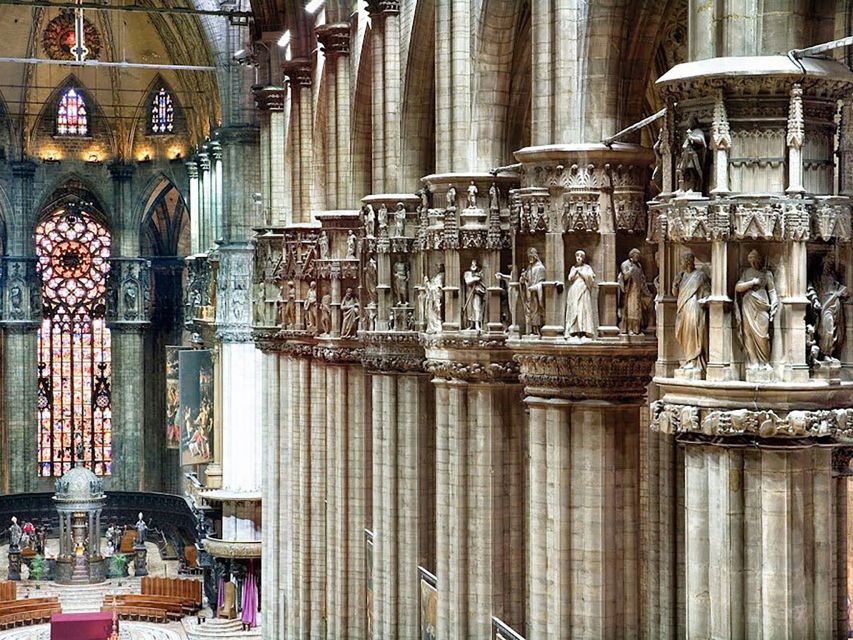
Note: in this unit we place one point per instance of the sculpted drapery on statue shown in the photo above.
(692, 286)
(636, 297)
(434, 288)
(691, 173)
(755, 310)
(370, 280)
(532, 281)
(475, 297)
(580, 319)
(311, 307)
(349, 314)
(827, 296)
(401, 282)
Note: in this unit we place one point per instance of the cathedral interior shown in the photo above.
(435, 319)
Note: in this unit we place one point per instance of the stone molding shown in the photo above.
(392, 352)
(338, 354)
(232, 548)
(492, 372)
(688, 419)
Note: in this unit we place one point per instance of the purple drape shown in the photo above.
(250, 598)
(220, 596)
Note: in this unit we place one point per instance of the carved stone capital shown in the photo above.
(392, 352)
(298, 72)
(268, 340)
(269, 98)
(344, 353)
(493, 372)
(334, 38)
(23, 168)
(841, 458)
(379, 7)
(594, 371)
(121, 171)
(297, 349)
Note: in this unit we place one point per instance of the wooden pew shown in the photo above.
(145, 614)
(188, 590)
(171, 606)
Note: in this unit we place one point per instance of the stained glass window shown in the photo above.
(74, 402)
(162, 112)
(72, 117)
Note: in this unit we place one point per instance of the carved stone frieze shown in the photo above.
(832, 219)
(339, 354)
(391, 351)
(297, 349)
(234, 280)
(676, 418)
(505, 371)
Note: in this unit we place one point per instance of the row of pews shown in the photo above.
(161, 600)
(29, 611)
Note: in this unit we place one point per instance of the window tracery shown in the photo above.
(72, 116)
(162, 113)
(74, 400)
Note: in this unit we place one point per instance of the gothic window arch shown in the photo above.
(72, 115)
(162, 121)
(74, 400)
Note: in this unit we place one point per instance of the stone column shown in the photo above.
(403, 480)
(479, 454)
(216, 201)
(298, 73)
(239, 168)
(205, 212)
(270, 102)
(194, 207)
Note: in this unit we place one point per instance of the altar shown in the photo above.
(81, 626)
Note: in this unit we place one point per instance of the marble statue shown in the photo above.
(827, 296)
(352, 244)
(692, 286)
(369, 220)
(323, 245)
(424, 196)
(311, 307)
(435, 290)
(141, 531)
(512, 285)
(15, 534)
(401, 281)
(472, 195)
(691, 164)
(580, 317)
(370, 280)
(400, 220)
(532, 282)
(636, 297)
(288, 309)
(325, 314)
(383, 219)
(349, 314)
(494, 204)
(450, 198)
(476, 296)
(755, 309)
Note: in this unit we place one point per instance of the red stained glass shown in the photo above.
(74, 403)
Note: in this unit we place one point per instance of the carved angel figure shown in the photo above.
(827, 296)
(692, 286)
(755, 309)
(580, 319)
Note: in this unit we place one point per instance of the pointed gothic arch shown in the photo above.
(165, 225)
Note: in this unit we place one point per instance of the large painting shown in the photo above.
(429, 604)
(173, 398)
(195, 377)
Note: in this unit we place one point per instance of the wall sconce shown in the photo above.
(145, 156)
(93, 158)
(50, 156)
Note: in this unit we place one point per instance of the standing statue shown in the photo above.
(323, 245)
(383, 219)
(349, 314)
(369, 220)
(494, 204)
(532, 282)
(288, 309)
(692, 286)
(755, 309)
(400, 220)
(401, 282)
(424, 196)
(435, 291)
(325, 314)
(311, 307)
(636, 297)
(580, 318)
(512, 285)
(352, 243)
(141, 531)
(472, 195)
(15, 534)
(691, 175)
(450, 198)
(827, 296)
(476, 297)
(370, 280)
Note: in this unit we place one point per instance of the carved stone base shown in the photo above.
(689, 374)
(97, 570)
(14, 565)
(829, 370)
(760, 375)
(473, 219)
(140, 561)
(64, 570)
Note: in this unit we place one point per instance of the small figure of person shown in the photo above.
(580, 318)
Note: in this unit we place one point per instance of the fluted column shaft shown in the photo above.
(302, 126)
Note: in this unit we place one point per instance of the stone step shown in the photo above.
(219, 628)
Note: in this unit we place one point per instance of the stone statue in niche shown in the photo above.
(472, 195)
(352, 244)
(755, 308)
(131, 300)
(636, 298)
(423, 194)
(311, 307)
(512, 286)
(383, 220)
(323, 245)
(370, 280)
(288, 309)
(325, 314)
(691, 174)
(401, 282)
(692, 287)
(16, 299)
(580, 317)
(827, 296)
(369, 220)
(657, 172)
(434, 291)
(349, 314)
(476, 296)
(450, 198)
(533, 284)
(494, 204)
(400, 220)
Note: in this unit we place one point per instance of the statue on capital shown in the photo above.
(401, 282)
(580, 316)
(476, 297)
(692, 287)
(755, 309)
(827, 296)
(533, 285)
(691, 165)
(636, 297)
(434, 288)
(349, 314)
